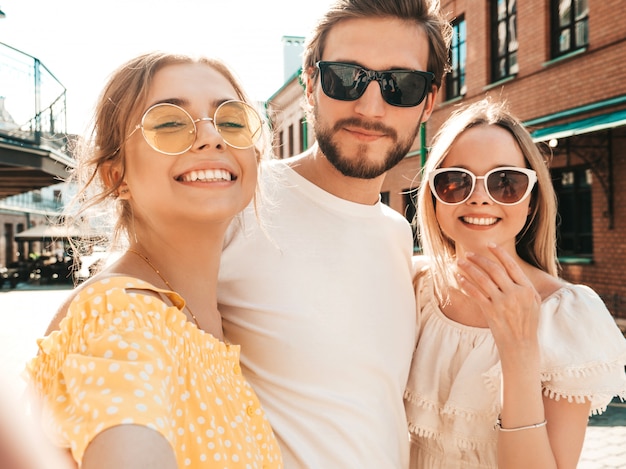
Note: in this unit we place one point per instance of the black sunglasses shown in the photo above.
(348, 82)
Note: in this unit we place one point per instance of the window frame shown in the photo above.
(557, 29)
(579, 197)
(409, 210)
(455, 79)
(508, 57)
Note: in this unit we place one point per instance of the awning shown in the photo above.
(584, 126)
(54, 233)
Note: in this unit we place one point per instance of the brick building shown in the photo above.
(561, 66)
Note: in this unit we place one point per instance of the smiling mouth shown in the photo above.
(480, 220)
(207, 175)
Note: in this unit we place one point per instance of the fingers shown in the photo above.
(507, 298)
(498, 280)
(502, 270)
(471, 289)
(476, 277)
(512, 268)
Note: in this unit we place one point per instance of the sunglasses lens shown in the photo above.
(238, 124)
(452, 187)
(168, 129)
(347, 82)
(507, 186)
(403, 88)
(343, 81)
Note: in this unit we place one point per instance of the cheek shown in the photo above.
(521, 216)
(250, 174)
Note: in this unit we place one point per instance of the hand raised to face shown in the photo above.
(505, 295)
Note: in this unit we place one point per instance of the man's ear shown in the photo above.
(309, 87)
(429, 105)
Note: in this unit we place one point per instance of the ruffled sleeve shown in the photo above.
(85, 369)
(583, 350)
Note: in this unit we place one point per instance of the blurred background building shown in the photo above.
(34, 155)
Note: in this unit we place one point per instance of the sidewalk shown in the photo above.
(605, 440)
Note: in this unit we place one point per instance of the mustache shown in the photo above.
(366, 125)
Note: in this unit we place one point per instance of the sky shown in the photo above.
(82, 41)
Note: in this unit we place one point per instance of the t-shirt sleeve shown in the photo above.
(109, 364)
(583, 350)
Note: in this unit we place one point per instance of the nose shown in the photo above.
(371, 103)
(479, 196)
(207, 135)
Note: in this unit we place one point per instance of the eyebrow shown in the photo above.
(182, 102)
(461, 166)
(387, 69)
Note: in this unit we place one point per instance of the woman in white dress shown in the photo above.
(510, 359)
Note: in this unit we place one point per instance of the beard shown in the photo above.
(361, 166)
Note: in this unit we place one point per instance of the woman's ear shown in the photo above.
(112, 178)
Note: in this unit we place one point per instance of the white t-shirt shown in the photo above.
(317, 291)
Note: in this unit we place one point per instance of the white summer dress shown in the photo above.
(453, 392)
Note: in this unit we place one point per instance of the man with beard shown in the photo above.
(315, 280)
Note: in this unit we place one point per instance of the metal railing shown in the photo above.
(33, 106)
(47, 201)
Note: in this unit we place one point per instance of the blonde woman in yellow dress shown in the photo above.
(135, 371)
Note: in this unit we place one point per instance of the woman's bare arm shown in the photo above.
(129, 447)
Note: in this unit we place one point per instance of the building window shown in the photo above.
(292, 143)
(575, 227)
(570, 26)
(504, 39)
(303, 135)
(281, 144)
(410, 210)
(455, 80)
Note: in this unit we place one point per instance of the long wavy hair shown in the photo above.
(536, 242)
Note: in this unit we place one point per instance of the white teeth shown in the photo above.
(479, 221)
(207, 175)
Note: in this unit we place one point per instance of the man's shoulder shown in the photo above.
(393, 214)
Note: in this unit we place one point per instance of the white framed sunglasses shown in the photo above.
(506, 185)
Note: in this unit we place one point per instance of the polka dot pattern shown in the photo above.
(123, 357)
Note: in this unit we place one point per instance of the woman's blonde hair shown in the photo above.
(117, 112)
(536, 243)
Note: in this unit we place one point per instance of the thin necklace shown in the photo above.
(164, 281)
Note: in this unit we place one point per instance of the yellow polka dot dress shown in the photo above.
(123, 356)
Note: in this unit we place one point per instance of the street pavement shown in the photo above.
(605, 440)
(26, 312)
